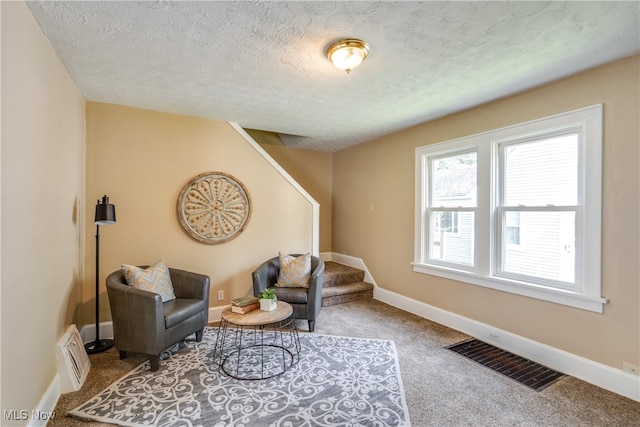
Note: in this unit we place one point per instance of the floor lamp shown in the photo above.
(105, 215)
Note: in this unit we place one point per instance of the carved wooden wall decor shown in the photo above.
(213, 208)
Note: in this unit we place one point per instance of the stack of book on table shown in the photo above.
(244, 305)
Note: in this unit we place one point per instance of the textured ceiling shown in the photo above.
(263, 64)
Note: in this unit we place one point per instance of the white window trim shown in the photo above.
(588, 274)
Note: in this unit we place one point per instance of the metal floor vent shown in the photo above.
(73, 361)
(524, 371)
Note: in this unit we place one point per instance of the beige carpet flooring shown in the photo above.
(441, 387)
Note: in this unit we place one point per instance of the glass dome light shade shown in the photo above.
(348, 54)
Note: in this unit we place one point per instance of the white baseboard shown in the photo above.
(215, 313)
(44, 412)
(88, 332)
(604, 376)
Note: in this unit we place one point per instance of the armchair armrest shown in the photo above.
(137, 315)
(265, 275)
(315, 284)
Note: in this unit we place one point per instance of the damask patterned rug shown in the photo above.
(337, 381)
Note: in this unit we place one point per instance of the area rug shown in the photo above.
(338, 381)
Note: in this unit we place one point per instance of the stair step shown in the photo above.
(336, 274)
(346, 293)
(344, 284)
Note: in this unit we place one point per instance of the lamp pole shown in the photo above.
(105, 214)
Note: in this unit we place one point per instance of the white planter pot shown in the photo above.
(268, 304)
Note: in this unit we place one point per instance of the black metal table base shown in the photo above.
(256, 352)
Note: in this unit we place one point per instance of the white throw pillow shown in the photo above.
(154, 278)
(294, 272)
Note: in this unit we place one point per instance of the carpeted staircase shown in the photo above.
(344, 284)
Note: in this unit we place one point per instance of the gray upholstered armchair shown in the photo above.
(142, 323)
(306, 302)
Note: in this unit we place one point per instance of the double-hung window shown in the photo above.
(516, 209)
(452, 208)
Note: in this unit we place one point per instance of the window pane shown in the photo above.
(542, 173)
(546, 246)
(512, 227)
(513, 235)
(454, 180)
(446, 221)
(451, 237)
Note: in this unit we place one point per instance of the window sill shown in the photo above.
(568, 298)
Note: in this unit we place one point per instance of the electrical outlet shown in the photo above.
(220, 295)
(632, 369)
(494, 337)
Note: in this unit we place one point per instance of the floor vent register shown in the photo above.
(524, 371)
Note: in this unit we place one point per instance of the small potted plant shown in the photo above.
(268, 300)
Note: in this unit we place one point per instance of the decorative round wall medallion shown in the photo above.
(214, 207)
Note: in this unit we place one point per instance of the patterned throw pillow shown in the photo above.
(154, 278)
(294, 272)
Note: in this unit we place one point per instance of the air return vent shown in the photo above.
(73, 362)
(518, 368)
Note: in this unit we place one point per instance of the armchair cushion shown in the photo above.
(154, 279)
(178, 310)
(294, 271)
(292, 295)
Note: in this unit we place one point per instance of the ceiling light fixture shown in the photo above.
(348, 54)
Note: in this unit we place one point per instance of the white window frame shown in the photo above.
(586, 294)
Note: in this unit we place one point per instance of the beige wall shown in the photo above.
(42, 215)
(142, 159)
(312, 170)
(382, 172)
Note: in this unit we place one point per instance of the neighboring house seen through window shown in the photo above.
(516, 209)
(512, 228)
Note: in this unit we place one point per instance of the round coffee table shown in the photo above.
(257, 345)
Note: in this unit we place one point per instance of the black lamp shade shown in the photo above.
(105, 212)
